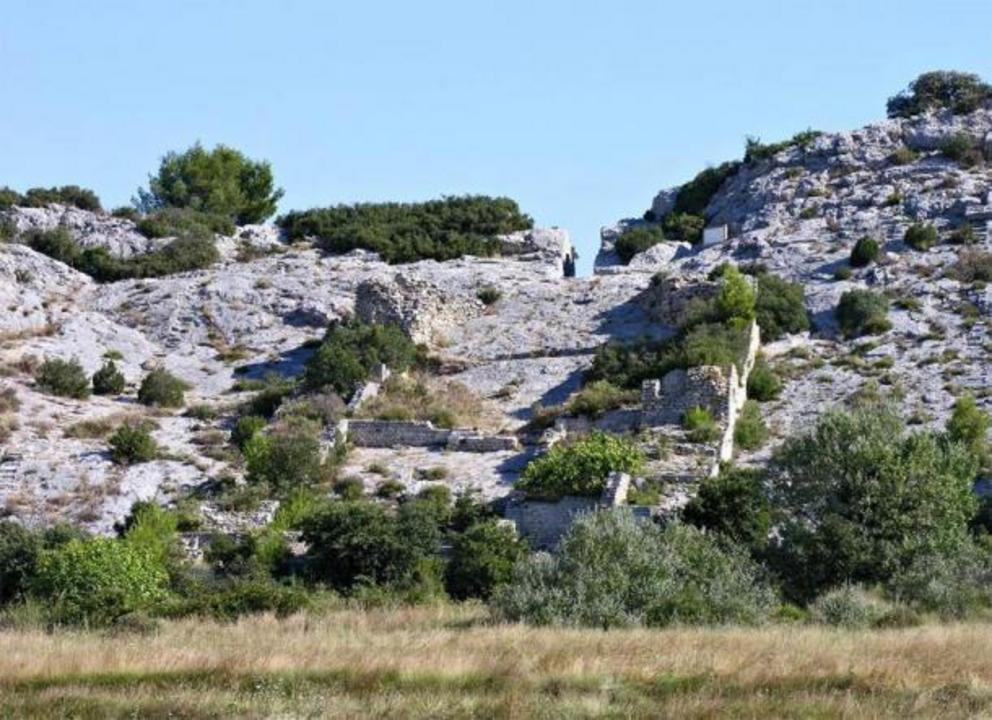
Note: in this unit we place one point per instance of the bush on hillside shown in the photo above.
(65, 378)
(482, 558)
(865, 252)
(700, 425)
(132, 444)
(245, 428)
(599, 397)
(734, 504)
(221, 181)
(959, 92)
(579, 467)
(735, 299)
(96, 581)
(285, 459)
(849, 606)
(962, 149)
(72, 195)
(763, 384)
(755, 150)
(862, 498)
(683, 227)
(614, 570)
(406, 232)
(184, 222)
(636, 240)
(108, 380)
(19, 549)
(969, 425)
(695, 195)
(863, 312)
(162, 389)
(750, 432)
(351, 350)
(780, 307)
(972, 265)
(920, 236)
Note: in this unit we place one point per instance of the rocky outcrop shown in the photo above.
(118, 235)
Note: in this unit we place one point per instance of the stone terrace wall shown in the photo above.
(399, 433)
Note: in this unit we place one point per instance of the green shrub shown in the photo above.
(780, 307)
(963, 235)
(489, 295)
(184, 222)
(108, 380)
(903, 156)
(272, 390)
(969, 426)
(358, 542)
(126, 212)
(132, 444)
(162, 389)
(865, 252)
(734, 504)
(221, 181)
(956, 91)
(972, 265)
(242, 595)
(73, 195)
(19, 549)
(756, 150)
(579, 467)
(245, 428)
(763, 384)
(636, 240)
(152, 529)
(406, 232)
(285, 459)
(56, 243)
(735, 299)
(863, 312)
(849, 606)
(351, 350)
(861, 498)
(96, 581)
(65, 378)
(684, 227)
(843, 272)
(701, 426)
(599, 397)
(953, 584)
(695, 195)
(613, 570)
(920, 237)
(962, 149)
(750, 432)
(482, 558)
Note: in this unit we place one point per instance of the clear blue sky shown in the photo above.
(580, 110)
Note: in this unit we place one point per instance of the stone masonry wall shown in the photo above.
(400, 433)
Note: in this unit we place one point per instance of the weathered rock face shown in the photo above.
(89, 229)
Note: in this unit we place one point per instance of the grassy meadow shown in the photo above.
(452, 662)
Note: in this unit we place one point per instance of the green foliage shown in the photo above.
(862, 498)
(684, 227)
(19, 549)
(843, 272)
(65, 378)
(73, 195)
(599, 397)
(272, 390)
(973, 265)
(637, 240)
(579, 467)
(865, 252)
(285, 459)
(482, 558)
(351, 350)
(221, 181)
(613, 570)
(750, 432)
(763, 384)
(184, 222)
(734, 504)
(184, 253)
(152, 529)
(849, 606)
(132, 444)
(489, 295)
(780, 307)
(695, 195)
(964, 234)
(959, 92)
(162, 389)
(96, 581)
(357, 542)
(701, 426)
(756, 150)
(863, 312)
(962, 149)
(969, 426)
(735, 300)
(920, 236)
(406, 232)
(951, 584)
(234, 597)
(245, 428)
(903, 156)
(108, 380)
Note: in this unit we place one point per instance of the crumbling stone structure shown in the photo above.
(401, 433)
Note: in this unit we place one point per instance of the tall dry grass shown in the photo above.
(451, 662)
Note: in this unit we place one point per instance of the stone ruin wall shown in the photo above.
(401, 433)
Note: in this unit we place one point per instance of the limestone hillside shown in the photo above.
(262, 308)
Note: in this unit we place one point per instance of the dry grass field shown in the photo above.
(451, 662)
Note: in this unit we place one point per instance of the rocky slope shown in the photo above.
(798, 213)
